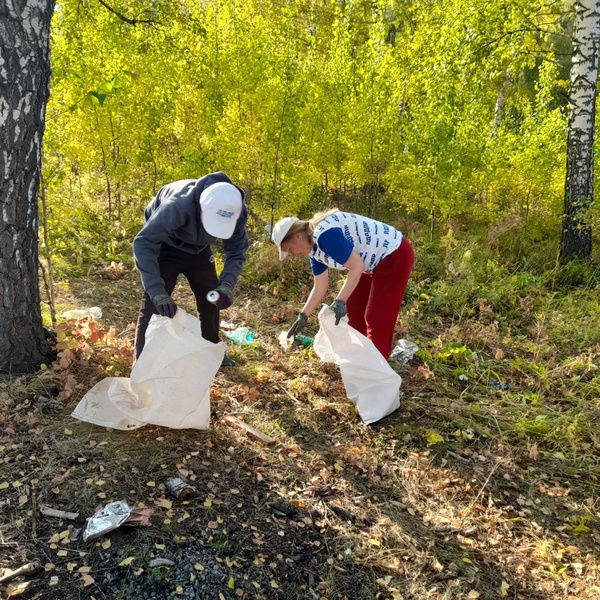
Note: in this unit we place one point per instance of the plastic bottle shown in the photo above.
(304, 340)
(241, 336)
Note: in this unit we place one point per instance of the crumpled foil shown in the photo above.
(403, 351)
(106, 519)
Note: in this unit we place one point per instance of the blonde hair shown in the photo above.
(308, 226)
(318, 217)
(294, 229)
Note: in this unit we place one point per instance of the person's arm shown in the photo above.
(146, 245)
(320, 285)
(355, 266)
(235, 249)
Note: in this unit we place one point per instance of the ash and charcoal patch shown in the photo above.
(182, 570)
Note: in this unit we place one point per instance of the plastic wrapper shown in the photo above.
(403, 351)
(82, 313)
(114, 515)
(106, 519)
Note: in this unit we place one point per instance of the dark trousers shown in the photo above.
(199, 270)
(374, 304)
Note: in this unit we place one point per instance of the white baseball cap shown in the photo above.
(221, 205)
(280, 230)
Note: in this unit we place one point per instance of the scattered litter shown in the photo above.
(403, 351)
(463, 377)
(180, 489)
(241, 336)
(257, 434)
(283, 508)
(114, 515)
(59, 514)
(284, 340)
(304, 340)
(82, 313)
(227, 325)
(497, 384)
(27, 569)
(160, 562)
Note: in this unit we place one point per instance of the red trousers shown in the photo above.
(374, 305)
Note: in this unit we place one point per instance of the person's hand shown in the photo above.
(339, 308)
(165, 305)
(225, 292)
(298, 325)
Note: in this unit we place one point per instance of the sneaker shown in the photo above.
(227, 362)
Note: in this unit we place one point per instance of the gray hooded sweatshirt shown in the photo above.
(173, 218)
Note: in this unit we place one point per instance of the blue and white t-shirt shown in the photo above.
(336, 236)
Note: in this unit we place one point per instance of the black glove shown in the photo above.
(165, 305)
(225, 292)
(298, 325)
(339, 308)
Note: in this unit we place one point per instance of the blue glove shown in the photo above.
(339, 308)
(225, 292)
(298, 325)
(165, 305)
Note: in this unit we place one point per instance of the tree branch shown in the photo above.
(133, 22)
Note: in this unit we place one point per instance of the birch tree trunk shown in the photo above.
(24, 81)
(576, 234)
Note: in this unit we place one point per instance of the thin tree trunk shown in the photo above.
(24, 80)
(576, 235)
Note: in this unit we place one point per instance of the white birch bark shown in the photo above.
(576, 235)
(24, 80)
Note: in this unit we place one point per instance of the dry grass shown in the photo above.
(465, 492)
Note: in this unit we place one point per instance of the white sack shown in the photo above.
(371, 384)
(169, 383)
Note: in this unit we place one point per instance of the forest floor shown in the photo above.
(483, 486)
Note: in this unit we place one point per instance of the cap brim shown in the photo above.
(217, 229)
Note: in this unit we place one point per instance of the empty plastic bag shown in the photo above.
(371, 384)
(169, 383)
(241, 336)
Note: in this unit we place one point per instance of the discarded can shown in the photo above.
(180, 489)
(304, 340)
(213, 296)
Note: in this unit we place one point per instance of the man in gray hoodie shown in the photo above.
(180, 224)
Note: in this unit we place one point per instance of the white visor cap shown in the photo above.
(280, 230)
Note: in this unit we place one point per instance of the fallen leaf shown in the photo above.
(16, 590)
